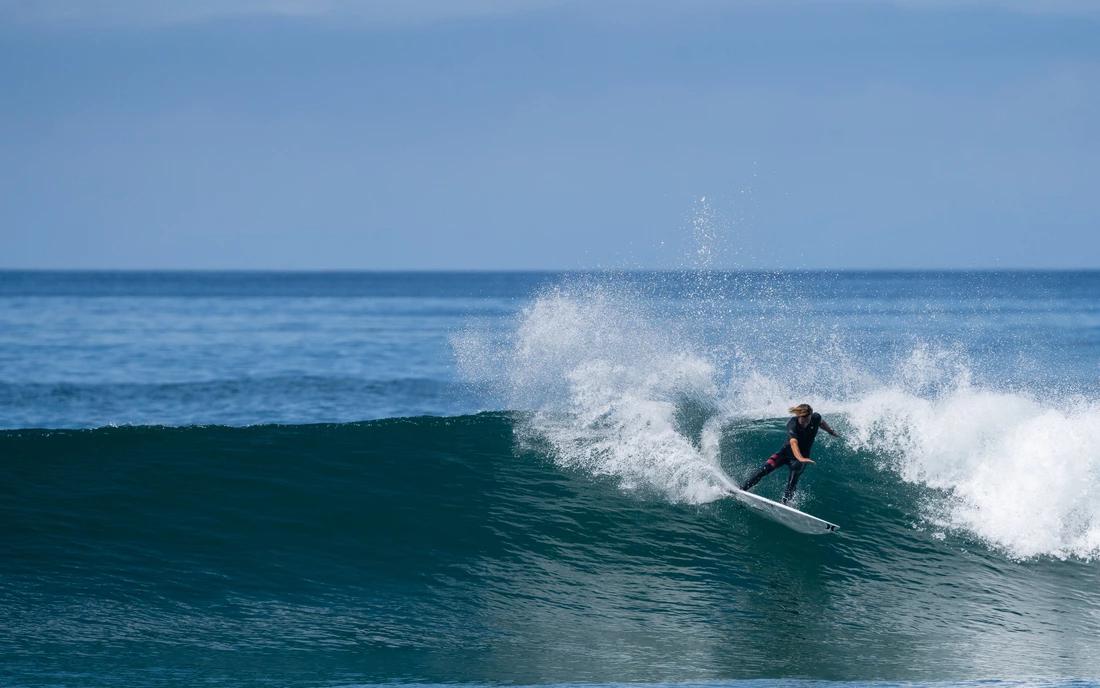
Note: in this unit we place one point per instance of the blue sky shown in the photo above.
(497, 134)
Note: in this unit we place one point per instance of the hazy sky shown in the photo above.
(489, 134)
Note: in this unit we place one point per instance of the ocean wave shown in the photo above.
(614, 388)
(454, 549)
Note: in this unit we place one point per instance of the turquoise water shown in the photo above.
(484, 479)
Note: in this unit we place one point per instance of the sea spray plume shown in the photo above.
(706, 233)
(608, 363)
(777, 340)
(731, 228)
(601, 386)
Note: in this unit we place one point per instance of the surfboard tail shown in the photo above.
(781, 513)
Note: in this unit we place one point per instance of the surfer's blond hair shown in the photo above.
(801, 410)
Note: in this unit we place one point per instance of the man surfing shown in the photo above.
(801, 432)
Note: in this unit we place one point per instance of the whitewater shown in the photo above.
(614, 380)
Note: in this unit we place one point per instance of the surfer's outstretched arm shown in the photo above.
(798, 452)
(829, 430)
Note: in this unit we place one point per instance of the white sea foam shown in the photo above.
(1018, 473)
(602, 379)
(1014, 469)
(602, 384)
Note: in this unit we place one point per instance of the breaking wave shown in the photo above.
(651, 391)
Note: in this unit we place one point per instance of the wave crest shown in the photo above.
(1012, 470)
(614, 386)
(604, 386)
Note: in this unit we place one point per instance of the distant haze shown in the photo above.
(498, 134)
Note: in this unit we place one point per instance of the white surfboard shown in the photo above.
(781, 513)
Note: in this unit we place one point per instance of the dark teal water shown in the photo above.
(574, 535)
(433, 549)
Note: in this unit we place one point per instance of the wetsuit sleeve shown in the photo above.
(792, 429)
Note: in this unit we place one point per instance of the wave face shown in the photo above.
(479, 548)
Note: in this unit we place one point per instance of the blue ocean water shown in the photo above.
(486, 478)
(93, 349)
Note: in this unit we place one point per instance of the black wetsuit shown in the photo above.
(805, 436)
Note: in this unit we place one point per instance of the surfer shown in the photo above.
(801, 431)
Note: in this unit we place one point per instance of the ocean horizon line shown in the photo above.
(538, 271)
